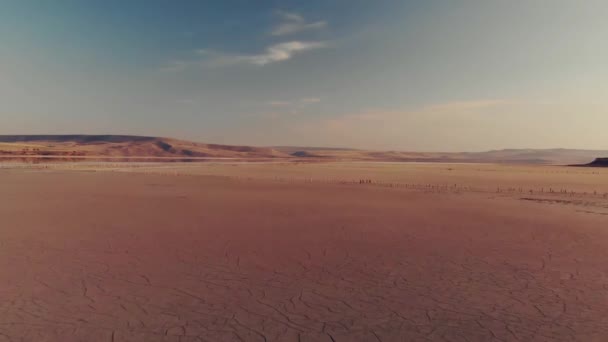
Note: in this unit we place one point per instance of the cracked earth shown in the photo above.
(101, 256)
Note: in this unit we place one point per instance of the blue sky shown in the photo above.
(404, 75)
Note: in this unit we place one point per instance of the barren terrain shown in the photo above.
(86, 147)
(117, 146)
(302, 252)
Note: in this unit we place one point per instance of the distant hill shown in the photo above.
(124, 146)
(540, 156)
(145, 146)
(306, 154)
(75, 138)
(507, 156)
(292, 149)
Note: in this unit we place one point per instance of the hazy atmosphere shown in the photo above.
(404, 75)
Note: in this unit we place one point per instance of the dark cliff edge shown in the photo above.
(598, 162)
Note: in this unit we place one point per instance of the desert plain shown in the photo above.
(302, 251)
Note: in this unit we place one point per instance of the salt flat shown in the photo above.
(303, 252)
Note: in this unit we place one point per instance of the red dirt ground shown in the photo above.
(101, 256)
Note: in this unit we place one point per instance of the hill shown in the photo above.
(507, 156)
(124, 146)
(599, 162)
(145, 146)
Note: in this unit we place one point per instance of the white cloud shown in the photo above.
(272, 54)
(294, 23)
(277, 53)
(290, 16)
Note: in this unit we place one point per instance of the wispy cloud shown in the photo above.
(294, 23)
(279, 52)
(445, 109)
(288, 108)
(455, 122)
(457, 110)
(272, 54)
(276, 53)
